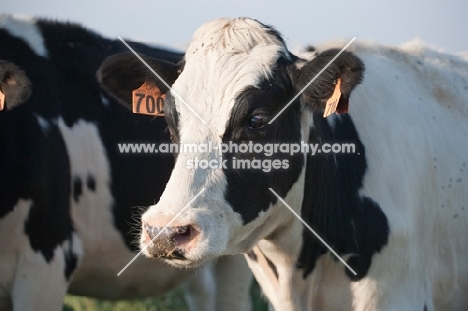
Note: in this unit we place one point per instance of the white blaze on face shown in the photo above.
(225, 57)
(26, 29)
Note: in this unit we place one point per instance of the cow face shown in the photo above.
(237, 75)
(15, 86)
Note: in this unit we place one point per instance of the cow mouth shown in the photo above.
(155, 251)
(176, 254)
(177, 259)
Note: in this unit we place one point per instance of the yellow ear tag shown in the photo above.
(2, 100)
(332, 102)
(147, 99)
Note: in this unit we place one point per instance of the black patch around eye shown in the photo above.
(247, 187)
(263, 100)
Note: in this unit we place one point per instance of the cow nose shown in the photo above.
(168, 242)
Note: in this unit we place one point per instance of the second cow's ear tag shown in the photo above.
(147, 99)
(332, 102)
(2, 100)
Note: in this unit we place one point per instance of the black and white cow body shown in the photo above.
(68, 199)
(395, 210)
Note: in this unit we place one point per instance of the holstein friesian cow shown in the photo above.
(395, 209)
(68, 198)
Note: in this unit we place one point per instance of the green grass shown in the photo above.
(173, 301)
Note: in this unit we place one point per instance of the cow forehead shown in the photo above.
(224, 58)
(233, 35)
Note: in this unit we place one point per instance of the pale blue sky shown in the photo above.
(442, 24)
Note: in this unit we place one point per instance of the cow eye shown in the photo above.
(257, 122)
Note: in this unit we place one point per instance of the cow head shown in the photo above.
(237, 75)
(15, 86)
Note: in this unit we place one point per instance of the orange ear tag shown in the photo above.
(332, 102)
(147, 99)
(2, 100)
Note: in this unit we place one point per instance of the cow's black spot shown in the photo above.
(77, 188)
(350, 223)
(91, 183)
(71, 263)
(49, 221)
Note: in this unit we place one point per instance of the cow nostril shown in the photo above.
(184, 235)
(179, 236)
(183, 230)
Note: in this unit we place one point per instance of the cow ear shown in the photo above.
(331, 90)
(15, 86)
(121, 74)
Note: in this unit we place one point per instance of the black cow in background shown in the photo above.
(68, 198)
